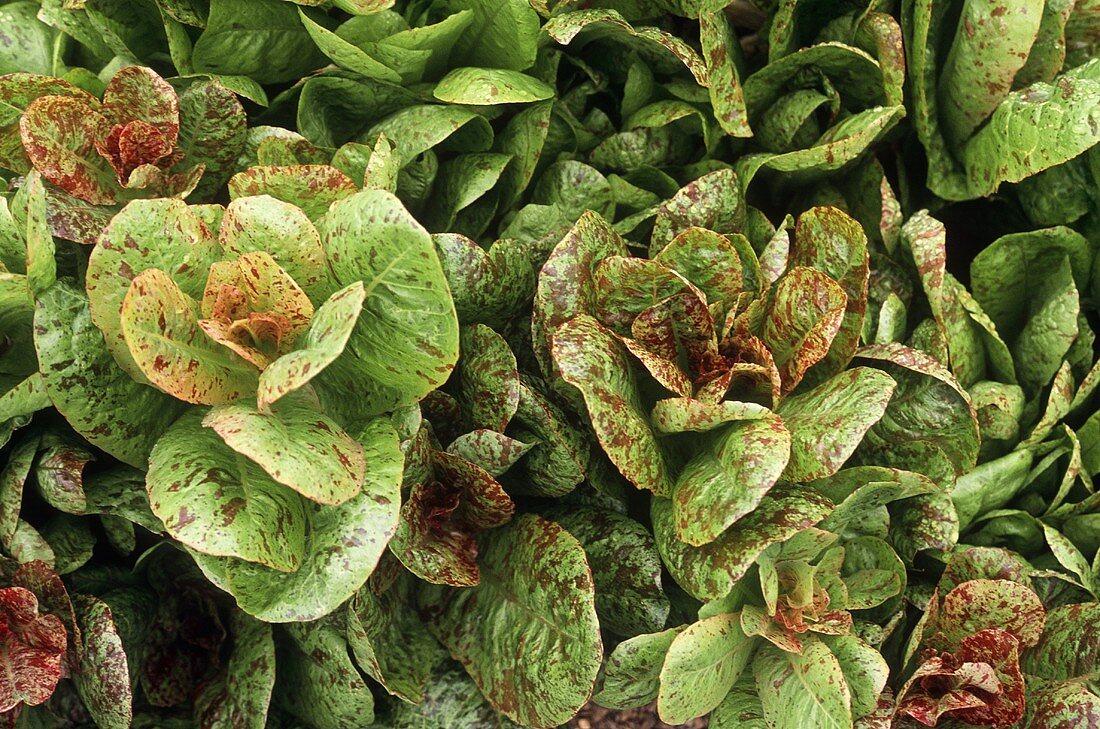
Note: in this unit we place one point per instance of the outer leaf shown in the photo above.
(218, 503)
(343, 545)
(323, 687)
(406, 342)
(238, 698)
(490, 86)
(102, 678)
(528, 635)
(296, 445)
(828, 423)
(979, 604)
(632, 676)
(703, 663)
(796, 690)
(88, 388)
(211, 133)
(60, 136)
(1070, 644)
(313, 188)
(626, 569)
(727, 480)
(595, 362)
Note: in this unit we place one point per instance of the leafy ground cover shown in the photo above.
(474, 363)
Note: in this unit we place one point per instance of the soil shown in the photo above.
(597, 717)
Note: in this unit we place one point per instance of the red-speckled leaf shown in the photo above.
(713, 202)
(138, 93)
(296, 445)
(406, 342)
(728, 478)
(161, 327)
(388, 639)
(343, 544)
(632, 674)
(212, 130)
(53, 599)
(170, 235)
(317, 681)
(102, 678)
(60, 135)
(984, 686)
(802, 690)
(979, 604)
(710, 572)
(18, 90)
(13, 479)
(439, 523)
(565, 28)
(682, 414)
(239, 696)
(31, 649)
(219, 503)
(313, 188)
(59, 473)
(566, 285)
(1070, 645)
(721, 52)
(626, 568)
(703, 663)
(488, 378)
(625, 287)
(807, 308)
(930, 417)
(528, 634)
(596, 363)
(832, 242)
(1062, 706)
(711, 262)
(99, 400)
(493, 451)
(489, 285)
(282, 230)
(322, 343)
(828, 422)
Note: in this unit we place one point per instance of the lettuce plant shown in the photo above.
(420, 363)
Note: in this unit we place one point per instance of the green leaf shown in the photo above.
(805, 315)
(490, 86)
(217, 502)
(703, 663)
(324, 341)
(488, 286)
(535, 581)
(263, 40)
(406, 342)
(741, 709)
(88, 388)
(596, 363)
(388, 639)
(1062, 110)
(239, 696)
(929, 418)
(501, 34)
(346, 54)
(317, 681)
(27, 42)
(980, 604)
(1068, 648)
(726, 480)
(212, 133)
(626, 568)
(102, 676)
(722, 54)
(800, 690)
(417, 129)
(828, 422)
(865, 671)
(296, 445)
(169, 235)
(160, 324)
(632, 675)
(712, 202)
(343, 544)
(711, 571)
